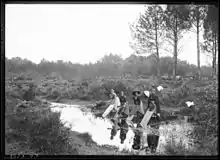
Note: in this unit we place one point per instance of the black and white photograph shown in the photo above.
(111, 79)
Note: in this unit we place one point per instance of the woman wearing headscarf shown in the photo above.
(115, 101)
(154, 122)
(137, 119)
(124, 107)
(137, 101)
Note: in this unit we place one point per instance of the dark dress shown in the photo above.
(154, 98)
(123, 100)
(123, 109)
(137, 100)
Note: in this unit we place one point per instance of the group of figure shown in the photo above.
(143, 102)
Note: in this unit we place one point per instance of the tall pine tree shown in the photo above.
(177, 21)
(211, 25)
(197, 16)
(147, 33)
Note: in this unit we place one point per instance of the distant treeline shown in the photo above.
(109, 66)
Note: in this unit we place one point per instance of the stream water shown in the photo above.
(82, 122)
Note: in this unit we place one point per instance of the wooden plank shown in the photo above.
(108, 110)
(129, 122)
(146, 118)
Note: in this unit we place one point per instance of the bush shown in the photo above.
(30, 93)
(206, 130)
(206, 148)
(55, 93)
(86, 137)
(40, 129)
(174, 148)
(188, 90)
(97, 91)
(86, 97)
(51, 136)
(72, 92)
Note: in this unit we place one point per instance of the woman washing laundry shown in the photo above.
(124, 107)
(121, 113)
(154, 122)
(113, 111)
(137, 101)
(154, 107)
(139, 114)
(114, 104)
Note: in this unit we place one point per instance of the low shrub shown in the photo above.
(174, 148)
(55, 93)
(86, 137)
(40, 129)
(86, 97)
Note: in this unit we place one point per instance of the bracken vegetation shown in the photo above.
(31, 125)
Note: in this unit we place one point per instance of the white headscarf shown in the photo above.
(189, 104)
(159, 88)
(147, 93)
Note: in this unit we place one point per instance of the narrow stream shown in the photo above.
(98, 128)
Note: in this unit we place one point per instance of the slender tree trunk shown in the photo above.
(215, 46)
(213, 58)
(216, 53)
(174, 59)
(157, 52)
(198, 50)
(175, 64)
(175, 51)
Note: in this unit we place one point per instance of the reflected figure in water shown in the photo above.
(113, 132)
(119, 121)
(123, 126)
(114, 126)
(137, 133)
(153, 139)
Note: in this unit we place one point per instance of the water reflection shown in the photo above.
(101, 129)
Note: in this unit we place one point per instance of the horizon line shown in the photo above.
(123, 58)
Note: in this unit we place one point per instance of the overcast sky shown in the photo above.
(76, 32)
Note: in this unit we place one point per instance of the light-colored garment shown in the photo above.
(147, 93)
(142, 108)
(114, 95)
(117, 103)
